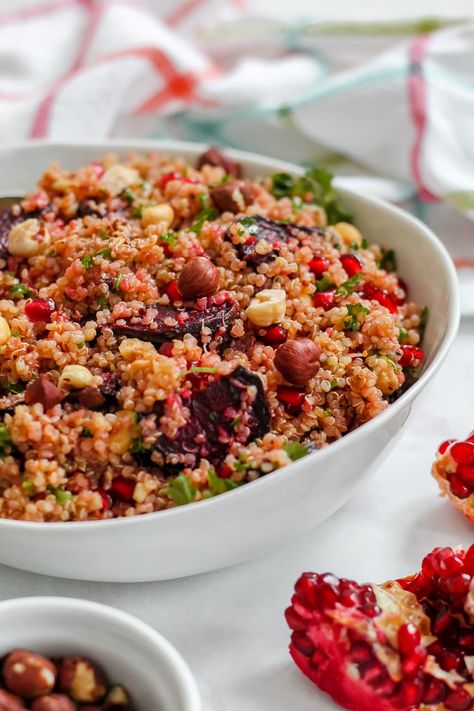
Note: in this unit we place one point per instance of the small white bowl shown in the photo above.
(264, 514)
(131, 652)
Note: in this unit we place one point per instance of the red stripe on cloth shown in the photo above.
(179, 86)
(183, 11)
(464, 263)
(31, 13)
(417, 103)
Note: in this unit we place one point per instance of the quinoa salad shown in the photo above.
(169, 332)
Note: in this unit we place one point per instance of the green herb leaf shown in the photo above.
(28, 487)
(296, 450)
(247, 221)
(169, 237)
(87, 261)
(324, 283)
(218, 485)
(402, 334)
(208, 212)
(117, 282)
(81, 344)
(86, 432)
(5, 438)
(389, 261)
(106, 252)
(201, 370)
(241, 465)
(354, 311)
(129, 194)
(181, 490)
(317, 182)
(102, 234)
(137, 211)
(20, 291)
(137, 446)
(12, 387)
(334, 383)
(347, 288)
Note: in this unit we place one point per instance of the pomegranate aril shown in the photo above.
(408, 638)
(274, 335)
(106, 500)
(444, 445)
(361, 653)
(458, 700)
(327, 596)
(412, 663)
(351, 264)
(122, 488)
(291, 398)
(325, 299)
(383, 297)
(449, 660)
(441, 623)
(174, 175)
(38, 310)
(306, 587)
(434, 692)
(463, 452)
(295, 622)
(458, 584)
(318, 266)
(466, 472)
(225, 471)
(172, 292)
(166, 349)
(469, 560)
(458, 487)
(466, 640)
(411, 692)
(302, 643)
(410, 355)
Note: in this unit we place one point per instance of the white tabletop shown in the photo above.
(229, 625)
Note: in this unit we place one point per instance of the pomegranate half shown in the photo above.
(453, 469)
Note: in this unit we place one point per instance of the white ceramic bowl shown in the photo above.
(266, 513)
(131, 652)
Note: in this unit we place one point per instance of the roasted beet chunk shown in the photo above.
(233, 409)
(275, 233)
(213, 156)
(217, 315)
(91, 207)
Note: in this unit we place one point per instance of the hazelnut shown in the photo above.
(43, 391)
(233, 196)
(28, 675)
(117, 178)
(117, 700)
(5, 332)
(53, 702)
(298, 361)
(8, 702)
(213, 156)
(198, 278)
(158, 215)
(267, 307)
(28, 238)
(83, 680)
(76, 376)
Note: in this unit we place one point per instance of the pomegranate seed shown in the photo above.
(441, 623)
(351, 264)
(38, 310)
(381, 296)
(302, 643)
(413, 661)
(361, 652)
(463, 452)
(291, 398)
(318, 266)
(469, 560)
(458, 584)
(458, 700)
(410, 354)
(408, 638)
(225, 471)
(166, 349)
(466, 472)
(122, 488)
(411, 692)
(449, 660)
(173, 175)
(466, 640)
(470, 438)
(444, 445)
(434, 692)
(325, 299)
(172, 291)
(294, 620)
(306, 588)
(458, 488)
(106, 500)
(274, 336)
(327, 596)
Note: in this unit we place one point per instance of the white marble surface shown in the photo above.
(229, 624)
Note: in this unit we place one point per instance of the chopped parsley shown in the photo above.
(241, 465)
(317, 182)
(129, 195)
(389, 261)
(402, 334)
(181, 490)
(62, 496)
(200, 370)
(355, 246)
(81, 344)
(324, 283)
(117, 282)
(218, 485)
(334, 383)
(86, 432)
(5, 438)
(20, 291)
(212, 416)
(137, 211)
(28, 487)
(169, 237)
(347, 288)
(86, 261)
(247, 221)
(296, 450)
(208, 212)
(354, 311)
(102, 234)
(137, 446)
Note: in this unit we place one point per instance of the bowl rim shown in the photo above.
(188, 148)
(115, 617)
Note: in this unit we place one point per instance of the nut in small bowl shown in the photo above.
(62, 654)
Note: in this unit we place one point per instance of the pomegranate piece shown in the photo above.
(351, 264)
(453, 469)
(291, 398)
(173, 175)
(40, 310)
(273, 335)
(383, 297)
(217, 315)
(317, 266)
(411, 356)
(325, 299)
(231, 410)
(121, 488)
(274, 233)
(172, 291)
(379, 647)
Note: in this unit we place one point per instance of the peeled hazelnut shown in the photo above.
(43, 391)
(53, 702)
(298, 361)
(213, 156)
(118, 177)
(28, 675)
(76, 376)
(268, 306)
(117, 700)
(28, 238)
(199, 278)
(82, 679)
(8, 702)
(233, 196)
